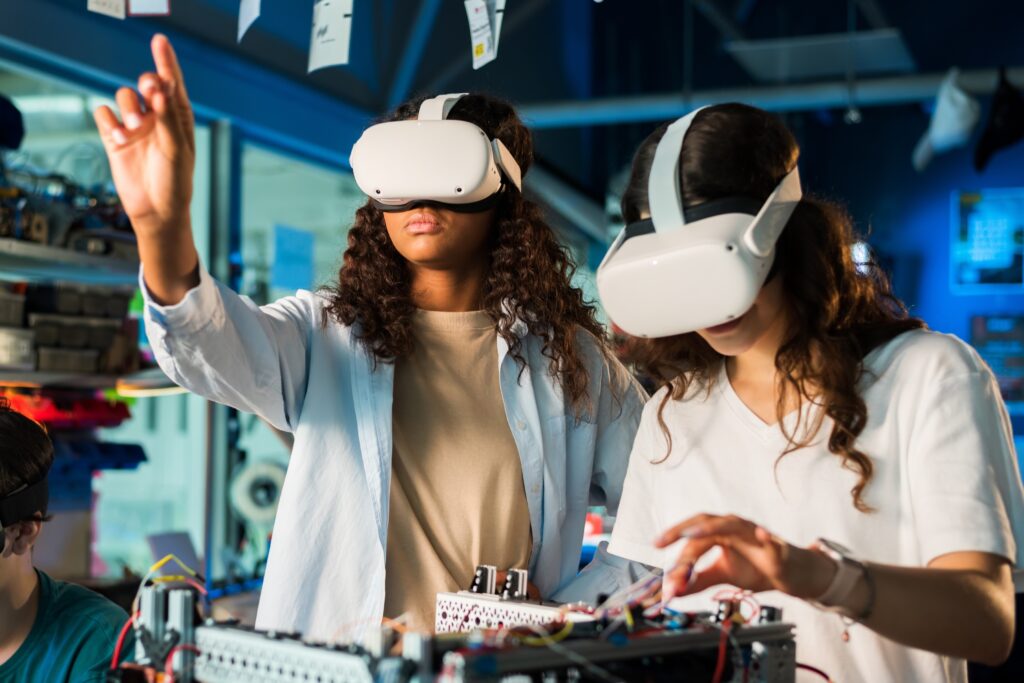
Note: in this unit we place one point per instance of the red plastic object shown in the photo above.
(594, 525)
(72, 413)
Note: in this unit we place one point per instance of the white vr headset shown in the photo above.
(434, 160)
(690, 268)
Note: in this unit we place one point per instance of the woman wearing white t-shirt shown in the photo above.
(823, 450)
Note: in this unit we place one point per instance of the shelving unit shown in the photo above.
(149, 382)
(23, 261)
(55, 380)
(30, 262)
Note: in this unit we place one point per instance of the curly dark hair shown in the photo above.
(838, 311)
(529, 275)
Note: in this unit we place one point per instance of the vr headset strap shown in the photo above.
(22, 505)
(663, 186)
(438, 108)
(764, 231)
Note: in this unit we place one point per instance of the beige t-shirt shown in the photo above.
(457, 493)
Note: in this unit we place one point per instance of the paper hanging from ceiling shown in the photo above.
(149, 8)
(332, 30)
(248, 13)
(496, 10)
(485, 19)
(112, 8)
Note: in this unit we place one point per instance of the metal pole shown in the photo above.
(801, 97)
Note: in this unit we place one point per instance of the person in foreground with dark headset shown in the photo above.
(50, 631)
(811, 443)
(452, 399)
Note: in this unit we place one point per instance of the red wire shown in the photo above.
(168, 667)
(723, 647)
(814, 670)
(120, 642)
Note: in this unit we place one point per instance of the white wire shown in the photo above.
(623, 596)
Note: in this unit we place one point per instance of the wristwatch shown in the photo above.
(848, 572)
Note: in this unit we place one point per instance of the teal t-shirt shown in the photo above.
(72, 639)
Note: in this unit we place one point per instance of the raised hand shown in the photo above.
(152, 147)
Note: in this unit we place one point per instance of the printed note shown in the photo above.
(248, 13)
(485, 18)
(149, 8)
(332, 29)
(112, 8)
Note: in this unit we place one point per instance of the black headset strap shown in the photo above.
(718, 207)
(692, 214)
(25, 504)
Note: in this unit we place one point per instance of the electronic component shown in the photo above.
(465, 611)
(552, 643)
(230, 654)
(485, 579)
(756, 654)
(678, 649)
(516, 585)
(164, 632)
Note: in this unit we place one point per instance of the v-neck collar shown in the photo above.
(764, 430)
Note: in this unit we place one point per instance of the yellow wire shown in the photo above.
(155, 568)
(168, 579)
(553, 638)
(174, 558)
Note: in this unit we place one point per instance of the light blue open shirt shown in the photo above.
(326, 565)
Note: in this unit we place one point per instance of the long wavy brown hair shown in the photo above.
(529, 276)
(838, 312)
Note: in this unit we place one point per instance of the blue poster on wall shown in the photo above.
(293, 259)
(987, 250)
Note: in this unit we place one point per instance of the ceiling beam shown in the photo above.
(872, 13)
(413, 54)
(719, 19)
(583, 213)
(812, 96)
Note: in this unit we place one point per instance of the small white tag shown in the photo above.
(248, 13)
(332, 30)
(112, 8)
(149, 8)
(481, 36)
(496, 9)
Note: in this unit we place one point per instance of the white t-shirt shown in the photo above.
(946, 479)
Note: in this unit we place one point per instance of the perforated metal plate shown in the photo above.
(231, 655)
(465, 611)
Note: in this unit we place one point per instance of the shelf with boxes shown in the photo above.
(68, 270)
(62, 335)
(52, 229)
(23, 261)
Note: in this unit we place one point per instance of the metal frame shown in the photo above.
(402, 81)
(811, 96)
(222, 422)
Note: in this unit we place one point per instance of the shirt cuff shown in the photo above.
(196, 310)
